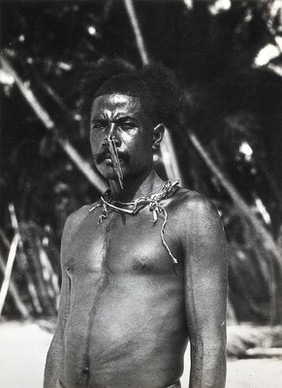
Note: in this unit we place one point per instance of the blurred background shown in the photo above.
(228, 145)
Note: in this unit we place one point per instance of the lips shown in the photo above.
(100, 157)
(106, 156)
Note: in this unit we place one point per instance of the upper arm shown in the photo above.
(71, 226)
(65, 287)
(64, 303)
(55, 350)
(51, 373)
(205, 273)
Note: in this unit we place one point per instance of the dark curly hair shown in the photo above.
(155, 85)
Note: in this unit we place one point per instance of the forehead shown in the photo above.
(113, 104)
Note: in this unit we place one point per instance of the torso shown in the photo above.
(126, 324)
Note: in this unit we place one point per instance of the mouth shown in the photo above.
(100, 158)
(108, 158)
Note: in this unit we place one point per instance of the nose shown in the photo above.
(113, 134)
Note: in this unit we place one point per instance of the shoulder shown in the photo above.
(189, 202)
(200, 228)
(71, 227)
(75, 219)
(195, 216)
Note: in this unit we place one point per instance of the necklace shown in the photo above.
(133, 207)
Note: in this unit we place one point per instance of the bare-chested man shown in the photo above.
(144, 269)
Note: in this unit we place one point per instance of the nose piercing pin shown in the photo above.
(115, 160)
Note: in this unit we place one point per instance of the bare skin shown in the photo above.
(126, 311)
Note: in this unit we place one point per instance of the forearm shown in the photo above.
(55, 352)
(208, 366)
(52, 366)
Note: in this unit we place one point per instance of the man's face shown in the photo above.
(121, 117)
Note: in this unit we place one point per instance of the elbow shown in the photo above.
(212, 347)
(53, 359)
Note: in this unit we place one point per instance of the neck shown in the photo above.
(136, 187)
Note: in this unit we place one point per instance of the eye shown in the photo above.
(127, 126)
(98, 126)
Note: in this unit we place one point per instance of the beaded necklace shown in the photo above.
(133, 208)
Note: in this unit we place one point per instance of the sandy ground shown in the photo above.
(24, 347)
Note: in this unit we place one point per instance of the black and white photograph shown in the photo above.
(141, 193)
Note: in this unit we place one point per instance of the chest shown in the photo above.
(122, 243)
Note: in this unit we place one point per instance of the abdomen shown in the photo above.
(136, 335)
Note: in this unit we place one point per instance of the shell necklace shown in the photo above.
(153, 201)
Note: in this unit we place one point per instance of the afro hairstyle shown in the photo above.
(155, 85)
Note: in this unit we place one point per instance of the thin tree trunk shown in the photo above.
(8, 270)
(13, 289)
(137, 31)
(33, 247)
(23, 262)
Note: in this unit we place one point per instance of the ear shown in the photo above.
(158, 133)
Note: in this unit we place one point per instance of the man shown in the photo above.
(143, 269)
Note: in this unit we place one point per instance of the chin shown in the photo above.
(107, 170)
(108, 175)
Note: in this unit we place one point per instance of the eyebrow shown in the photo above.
(98, 120)
(119, 119)
(125, 118)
